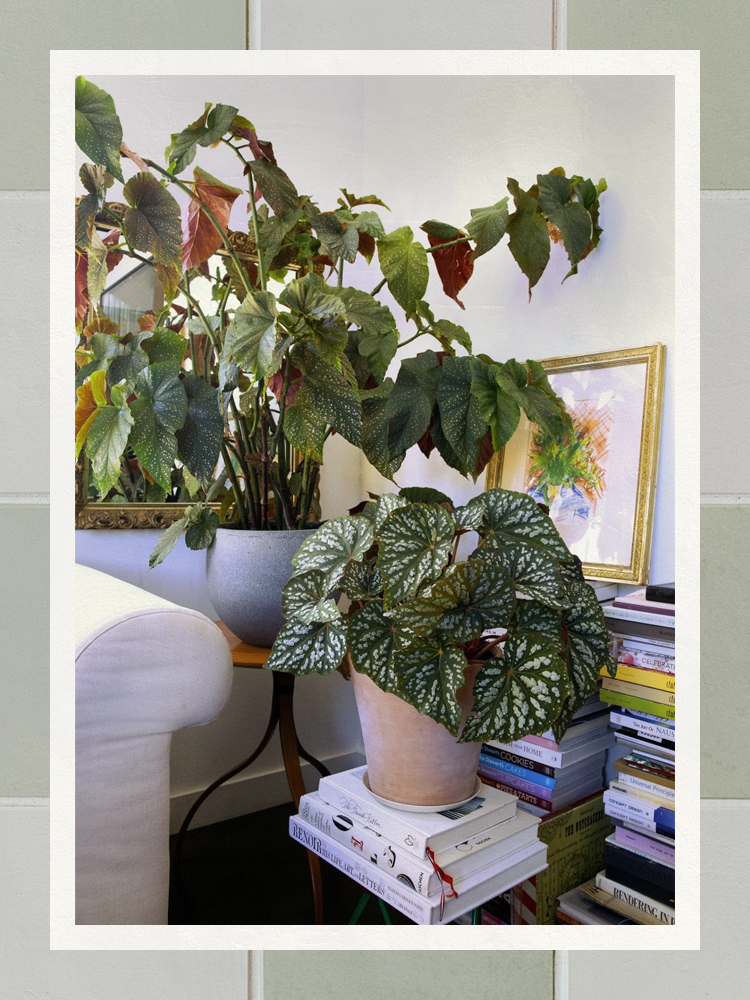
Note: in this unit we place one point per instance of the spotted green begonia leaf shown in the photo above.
(467, 518)
(317, 648)
(588, 636)
(373, 641)
(484, 598)
(333, 399)
(587, 651)
(333, 546)
(460, 417)
(152, 222)
(337, 239)
(362, 580)
(106, 442)
(304, 429)
(487, 226)
(199, 439)
(403, 262)
(430, 673)
(158, 412)
(510, 516)
(533, 571)
(415, 545)
(98, 129)
(519, 693)
(251, 336)
(533, 616)
(305, 598)
(385, 505)
(323, 313)
(202, 522)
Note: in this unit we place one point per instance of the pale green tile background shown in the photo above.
(30, 28)
(725, 651)
(721, 30)
(24, 651)
(416, 975)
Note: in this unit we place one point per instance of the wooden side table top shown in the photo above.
(242, 654)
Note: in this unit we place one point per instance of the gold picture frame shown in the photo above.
(519, 463)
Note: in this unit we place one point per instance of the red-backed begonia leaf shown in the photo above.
(201, 238)
(455, 265)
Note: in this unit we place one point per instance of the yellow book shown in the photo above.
(638, 691)
(639, 675)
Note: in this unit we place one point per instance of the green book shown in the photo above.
(638, 704)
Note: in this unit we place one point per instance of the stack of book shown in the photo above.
(432, 866)
(575, 841)
(638, 878)
(546, 775)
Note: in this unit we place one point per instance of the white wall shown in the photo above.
(430, 148)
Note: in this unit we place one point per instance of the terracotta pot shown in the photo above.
(412, 759)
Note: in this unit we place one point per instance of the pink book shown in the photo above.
(637, 602)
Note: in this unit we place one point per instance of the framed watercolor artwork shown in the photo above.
(600, 481)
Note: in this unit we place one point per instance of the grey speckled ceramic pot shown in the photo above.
(245, 574)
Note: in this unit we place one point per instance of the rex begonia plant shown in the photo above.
(417, 616)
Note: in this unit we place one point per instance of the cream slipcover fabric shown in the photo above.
(144, 668)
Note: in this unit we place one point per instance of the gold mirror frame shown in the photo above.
(636, 571)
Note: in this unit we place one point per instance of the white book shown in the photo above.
(634, 822)
(627, 799)
(458, 862)
(559, 758)
(656, 730)
(646, 747)
(416, 831)
(655, 910)
(484, 885)
(659, 793)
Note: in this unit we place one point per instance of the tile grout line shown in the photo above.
(560, 975)
(23, 801)
(24, 498)
(255, 975)
(728, 499)
(559, 25)
(24, 195)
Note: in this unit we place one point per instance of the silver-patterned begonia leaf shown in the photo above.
(468, 518)
(305, 598)
(430, 673)
(373, 639)
(336, 543)
(484, 598)
(510, 516)
(422, 613)
(519, 693)
(362, 580)
(415, 545)
(533, 616)
(386, 504)
(533, 571)
(587, 652)
(317, 648)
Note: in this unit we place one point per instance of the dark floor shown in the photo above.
(248, 870)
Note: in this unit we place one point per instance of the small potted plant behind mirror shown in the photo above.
(444, 653)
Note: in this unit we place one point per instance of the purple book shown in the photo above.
(640, 842)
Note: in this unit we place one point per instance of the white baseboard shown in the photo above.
(248, 793)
